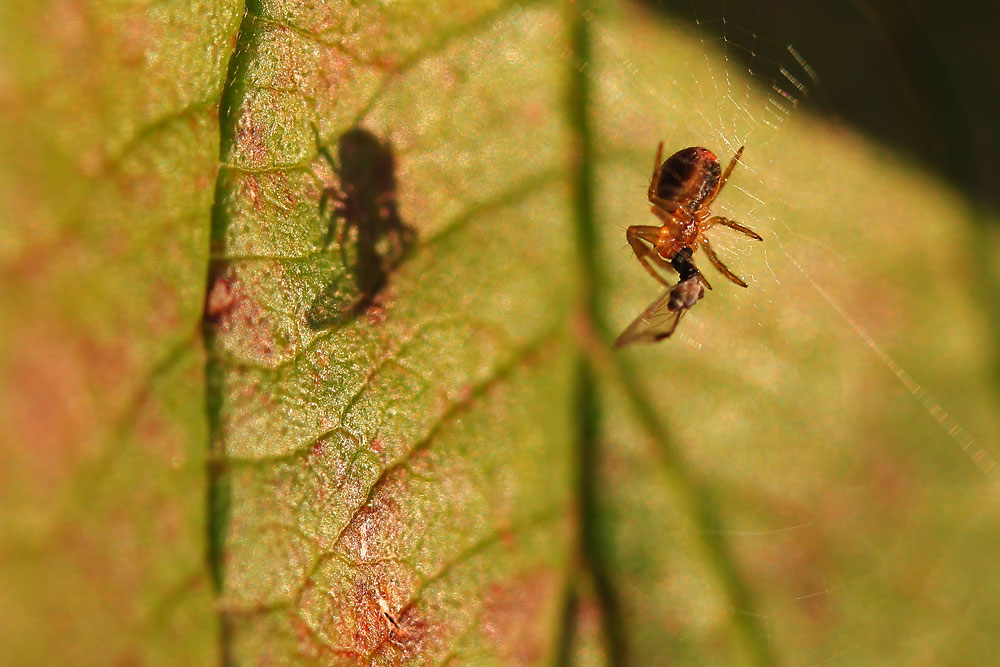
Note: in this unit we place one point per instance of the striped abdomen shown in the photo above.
(689, 177)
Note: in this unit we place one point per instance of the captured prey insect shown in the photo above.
(681, 190)
(661, 318)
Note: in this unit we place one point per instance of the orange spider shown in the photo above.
(681, 190)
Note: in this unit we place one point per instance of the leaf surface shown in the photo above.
(396, 483)
(109, 137)
(418, 446)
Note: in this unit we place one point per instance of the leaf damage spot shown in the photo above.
(61, 390)
(250, 140)
(359, 609)
(239, 320)
(514, 616)
(376, 313)
(375, 528)
(221, 298)
(138, 39)
(405, 627)
(334, 71)
(250, 188)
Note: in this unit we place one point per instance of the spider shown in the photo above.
(680, 191)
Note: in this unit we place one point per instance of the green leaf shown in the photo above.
(799, 482)
(416, 459)
(387, 425)
(109, 137)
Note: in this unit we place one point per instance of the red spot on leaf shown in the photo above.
(375, 314)
(515, 616)
(250, 189)
(221, 298)
(250, 139)
(239, 319)
(61, 390)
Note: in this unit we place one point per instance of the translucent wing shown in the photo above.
(660, 319)
(655, 323)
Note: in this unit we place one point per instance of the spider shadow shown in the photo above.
(364, 223)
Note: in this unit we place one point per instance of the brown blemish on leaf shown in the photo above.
(376, 313)
(513, 616)
(251, 147)
(66, 22)
(47, 392)
(290, 74)
(362, 602)
(798, 562)
(536, 114)
(289, 198)
(139, 187)
(461, 394)
(388, 623)
(63, 392)
(167, 315)
(157, 437)
(408, 634)
(221, 299)
(277, 184)
(240, 321)
(249, 188)
(389, 62)
(357, 609)
(138, 36)
(375, 528)
(888, 481)
(205, 178)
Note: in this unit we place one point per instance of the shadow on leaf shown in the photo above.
(364, 224)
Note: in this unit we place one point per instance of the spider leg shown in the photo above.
(717, 263)
(726, 222)
(657, 166)
(663, 204)
(725, 177)
(655, 256)
(635, 235)
(732, 165)
(660, 262)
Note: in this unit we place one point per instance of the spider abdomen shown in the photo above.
(689, 177)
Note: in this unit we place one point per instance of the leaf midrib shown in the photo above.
(589, 368)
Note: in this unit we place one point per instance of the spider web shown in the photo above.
(808, 289)
(749, 88)
(785, 92)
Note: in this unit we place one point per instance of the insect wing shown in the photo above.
(653, 324)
